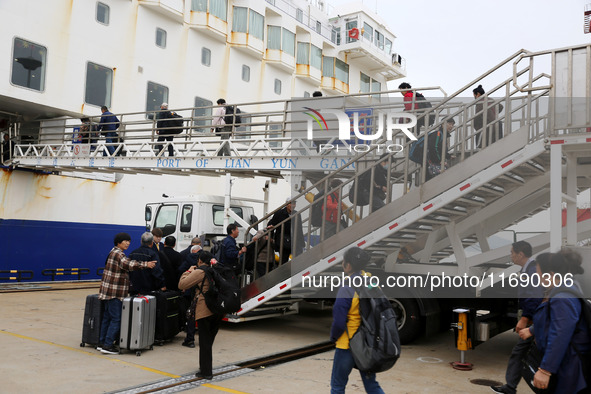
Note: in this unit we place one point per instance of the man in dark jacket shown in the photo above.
(108, 126)
(165, 133)
(529, 298)
(231, 253)
(171, 263)
(435, 142)
(286, 228)
(147, 280)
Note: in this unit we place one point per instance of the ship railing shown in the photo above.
(530, 101)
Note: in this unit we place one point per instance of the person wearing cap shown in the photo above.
(163, 129)
(114, 287)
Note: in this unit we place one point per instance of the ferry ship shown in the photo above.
(69, 58)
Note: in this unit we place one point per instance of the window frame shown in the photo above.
(44, 65)
(164, 34)
(277, 83)
(108, 13)
(247, 69)
(151, 111)
(109, 93)
(205, 52)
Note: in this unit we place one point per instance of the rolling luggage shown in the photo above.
(93, 315)
(138, 322)
(168, 319)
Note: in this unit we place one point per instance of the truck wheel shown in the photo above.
(409, 318)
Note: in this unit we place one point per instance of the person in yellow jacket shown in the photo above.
(346, 321)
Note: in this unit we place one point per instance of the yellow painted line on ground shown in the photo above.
(91, 354)
(213, 386)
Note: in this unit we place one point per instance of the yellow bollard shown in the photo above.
(463, 341)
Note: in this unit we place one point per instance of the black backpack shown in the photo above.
(422, 101)
(232, 118)
(360, 188)
(416, 148)
(223, 295)
(216, 250)
(376, 344)
(176, 121)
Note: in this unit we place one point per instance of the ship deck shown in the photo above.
(41, 333)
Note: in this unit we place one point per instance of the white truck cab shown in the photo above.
(186, 217)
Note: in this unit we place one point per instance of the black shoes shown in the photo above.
(202, 376)
(188, 344)
(109, 350)
(502, 389)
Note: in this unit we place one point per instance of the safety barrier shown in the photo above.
(20, 275)
(53, 272)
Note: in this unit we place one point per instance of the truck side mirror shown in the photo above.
(148, 214)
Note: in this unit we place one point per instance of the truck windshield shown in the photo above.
(218, 214)
(166, 218)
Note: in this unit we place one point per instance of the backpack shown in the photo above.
(360, 188)
(416, 148)
(232, 118)
(223, 295)
(176, 121)
(376, 344)
(216, 250)
(421, 101)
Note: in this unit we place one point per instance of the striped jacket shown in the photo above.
(115, 281)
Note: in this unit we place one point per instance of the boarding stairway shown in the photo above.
(541, 162)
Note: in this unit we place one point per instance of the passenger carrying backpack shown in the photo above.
(422, 101)
(223, 295)
(232, 118)
(360, 189)
(416, 148)
(316, 212)
(376, 344)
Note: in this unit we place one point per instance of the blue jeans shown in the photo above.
(111, 138)
(111, 323)
(341, 368)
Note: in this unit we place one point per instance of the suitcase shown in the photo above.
(138, 322)
(168, 319)
(93, 316)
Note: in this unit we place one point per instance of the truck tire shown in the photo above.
(409, 318)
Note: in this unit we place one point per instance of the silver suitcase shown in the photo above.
(138, 323)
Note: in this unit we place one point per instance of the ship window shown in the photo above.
(274, 132)
(350, 25)
(240, 20)
(166, 218)
(303, 53)
(218, 215)
(379, 40)
(99, 83)
(205, 57)
(367, 32)
(256, 26)
(388, 46)
(306, 94)
(160, 37)
(199, 5)
(300, 15)
(277, 86)
(245, 73)
(341, 71)
(202, 110)
(335, 35)
(102, 13)
(288, 42)
(376, 86)
(318, 27)
(28, 65)
(316, 57)
(328, 66)
(186, 218)
(365, 84)
(219, 8)
(157, 94)
(274, 37)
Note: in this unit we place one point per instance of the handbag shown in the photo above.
(530, 364)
